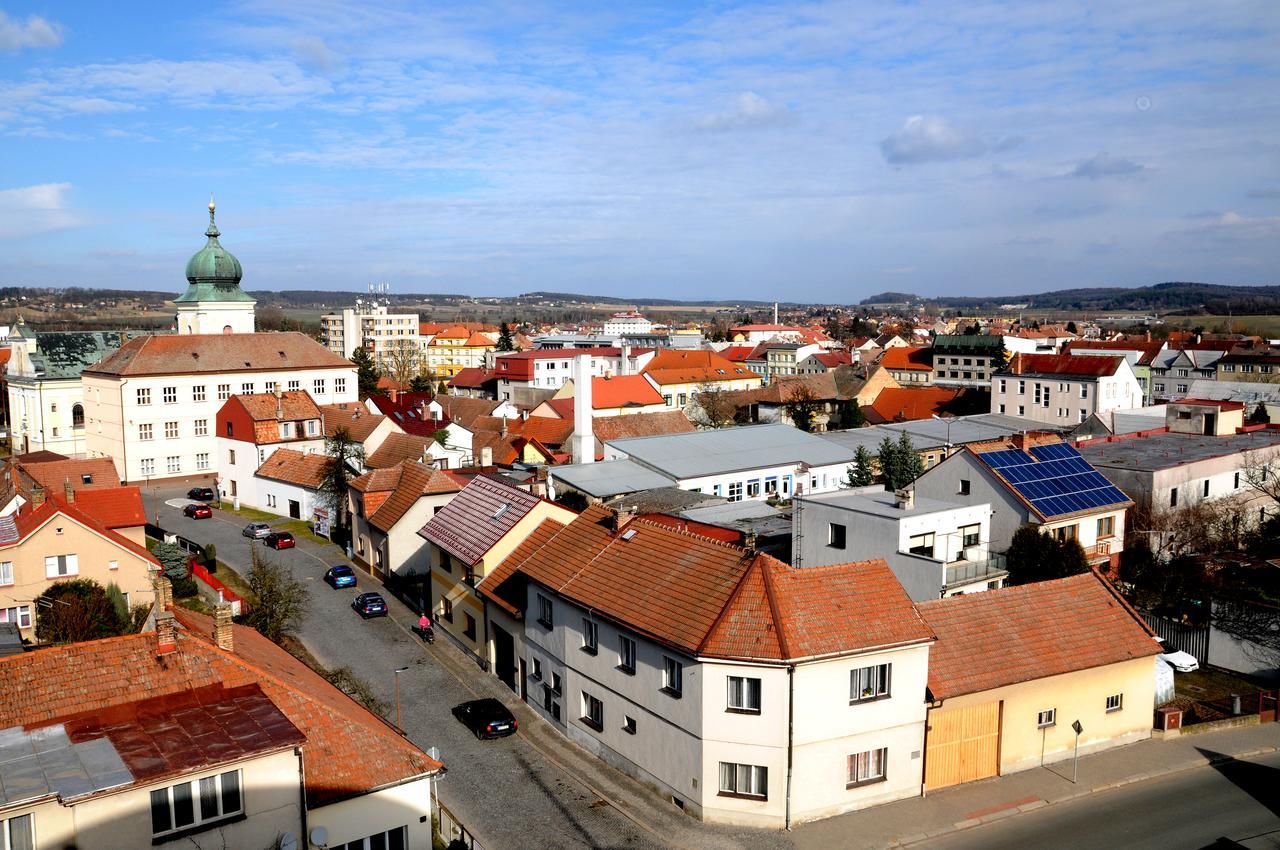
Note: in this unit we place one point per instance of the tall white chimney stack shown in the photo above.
(625, 367)
(775, 312)
(584, 441)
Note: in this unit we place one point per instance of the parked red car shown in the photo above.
(280, 540)
(197, 511)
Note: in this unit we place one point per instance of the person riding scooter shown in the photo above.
(424, 629)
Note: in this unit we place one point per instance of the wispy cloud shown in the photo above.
(1103, 165)
(35, 31)
(28, 210)
(930, 138)
(748, 110)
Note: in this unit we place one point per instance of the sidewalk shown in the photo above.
(918, 819)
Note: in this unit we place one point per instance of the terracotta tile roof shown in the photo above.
(429, 328)
(182, 354)
(464, 410)
(53, 475)
(1071, 365)
(562, 408)
(415, 481)
(1018, 634)
(904, 404)
(293, 467)
(694, 366)
(492, 584)
(294, 405)
(477, 518)
(915, 359)
(353, 416)
(1146, 350)
(376, 480)
(659, 422)
(396, 449)
(41, 456)
(472, 377)
(479, 340)
(765, 328)
(113, 507)
(340, 733)
(780, 389)
(546, 430)
(706, 597)
(737, 353)
(31, 517)
(832, 359)
(622, 391)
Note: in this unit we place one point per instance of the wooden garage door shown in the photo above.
(962, 745)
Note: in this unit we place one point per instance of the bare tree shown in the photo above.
(280, 601)
(1262, 473)
(1203, 527)
(714, 407)
(403, 360)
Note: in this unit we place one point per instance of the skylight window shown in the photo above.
(498, 514)
(628, 534)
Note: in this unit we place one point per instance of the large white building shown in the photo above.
(725, 679)
(372, 327)
(150, 405)
(627, 324)
(1064, 389)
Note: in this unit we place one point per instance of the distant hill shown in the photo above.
(1175, 297)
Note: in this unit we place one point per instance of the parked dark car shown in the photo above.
(204, 494)
(195, 510)
(487, 718)
(280, 540)
(340, 576)
(256, 530)
(370, 605)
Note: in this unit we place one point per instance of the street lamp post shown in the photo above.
(398, 671)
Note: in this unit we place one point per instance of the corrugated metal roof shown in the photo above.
(722, 450)
(610, 478)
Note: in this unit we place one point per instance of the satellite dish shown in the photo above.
(319, 836)
(288, 841)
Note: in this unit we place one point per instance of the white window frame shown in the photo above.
(143, 395)
(21, 615)
(202, 427)
(870, 683)
(197, 393)
(61, 566)
(672, 676)
(148, 465)
(1047, 718)
(6, 573)
(194, 789)
(744, 780)
(7, 831)
(590, 636)
(1115, 702)
(169, 395)
(742, 694)
(627, 654)
(171, 430)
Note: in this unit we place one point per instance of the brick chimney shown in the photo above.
(164, 592)
(222, 632)
(69, 492)
(905, 499)
(394, 394)
(622, 516)
(37, 497)
(166, 633)
(1021, 441)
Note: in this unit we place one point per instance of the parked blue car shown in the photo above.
(370, 605)
(340, 576)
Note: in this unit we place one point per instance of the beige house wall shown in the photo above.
(1079, 696)
(271, 799)
(95, 554)
(360, 817)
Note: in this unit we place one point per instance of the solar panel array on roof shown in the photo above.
(1054, 478)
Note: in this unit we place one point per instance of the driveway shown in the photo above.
(508, 792)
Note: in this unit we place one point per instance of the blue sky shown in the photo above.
(809, 151)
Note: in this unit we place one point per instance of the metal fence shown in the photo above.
(452, 830)
(1192, 639)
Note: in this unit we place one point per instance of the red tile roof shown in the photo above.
(541, 535)
(293, 467)
(1071, 365)
(706, 597)
(182, 354)
(464, 411)
(659, 422)
(293, 406)
(694, 366)
(396, 449)
(832, 359)
(353, 416)
(53, 475)
(477, 518)
(31, 517)
(113, 507)
(915, 359)
(472, 377)
(622, 391)
(904, 404)
(1019, 634)
(737, 353)
(415, 481)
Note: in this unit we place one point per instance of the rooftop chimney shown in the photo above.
(166, 633)
(163, 589)
(37, 497)
(394, 393)
(584, 442)
(486, 456)
(622, 516)
(222, 634)
(69, 492)
(279, 403)
(905, 498)
(625, 366)
(1021, 441)
(749, 541)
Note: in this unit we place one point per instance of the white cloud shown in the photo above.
(930, 138)
(1102, 165)
(35, 31)
(749, 110)
(899, 270)
(28, 210)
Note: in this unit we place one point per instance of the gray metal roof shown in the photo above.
(933, 433)
(1167, 450)
(1244, 391)
(39, 762)
(663, 500)
(731, 511)
(609, 478)
(723, 450)
(1137, 419)
(880, 502)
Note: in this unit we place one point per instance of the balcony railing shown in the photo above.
(1098, 551)
(965, 572)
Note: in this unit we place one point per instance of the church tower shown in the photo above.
(214, 303)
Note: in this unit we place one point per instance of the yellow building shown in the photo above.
(1015, 669)
(96, 535)
(468, 538)
(456, 348)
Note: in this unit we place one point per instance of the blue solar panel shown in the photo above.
(1054, 478)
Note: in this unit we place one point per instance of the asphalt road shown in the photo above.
(1233, 805)
(503, 790)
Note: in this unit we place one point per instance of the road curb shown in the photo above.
(971, 823)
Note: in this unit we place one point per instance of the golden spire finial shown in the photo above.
(212, 206)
